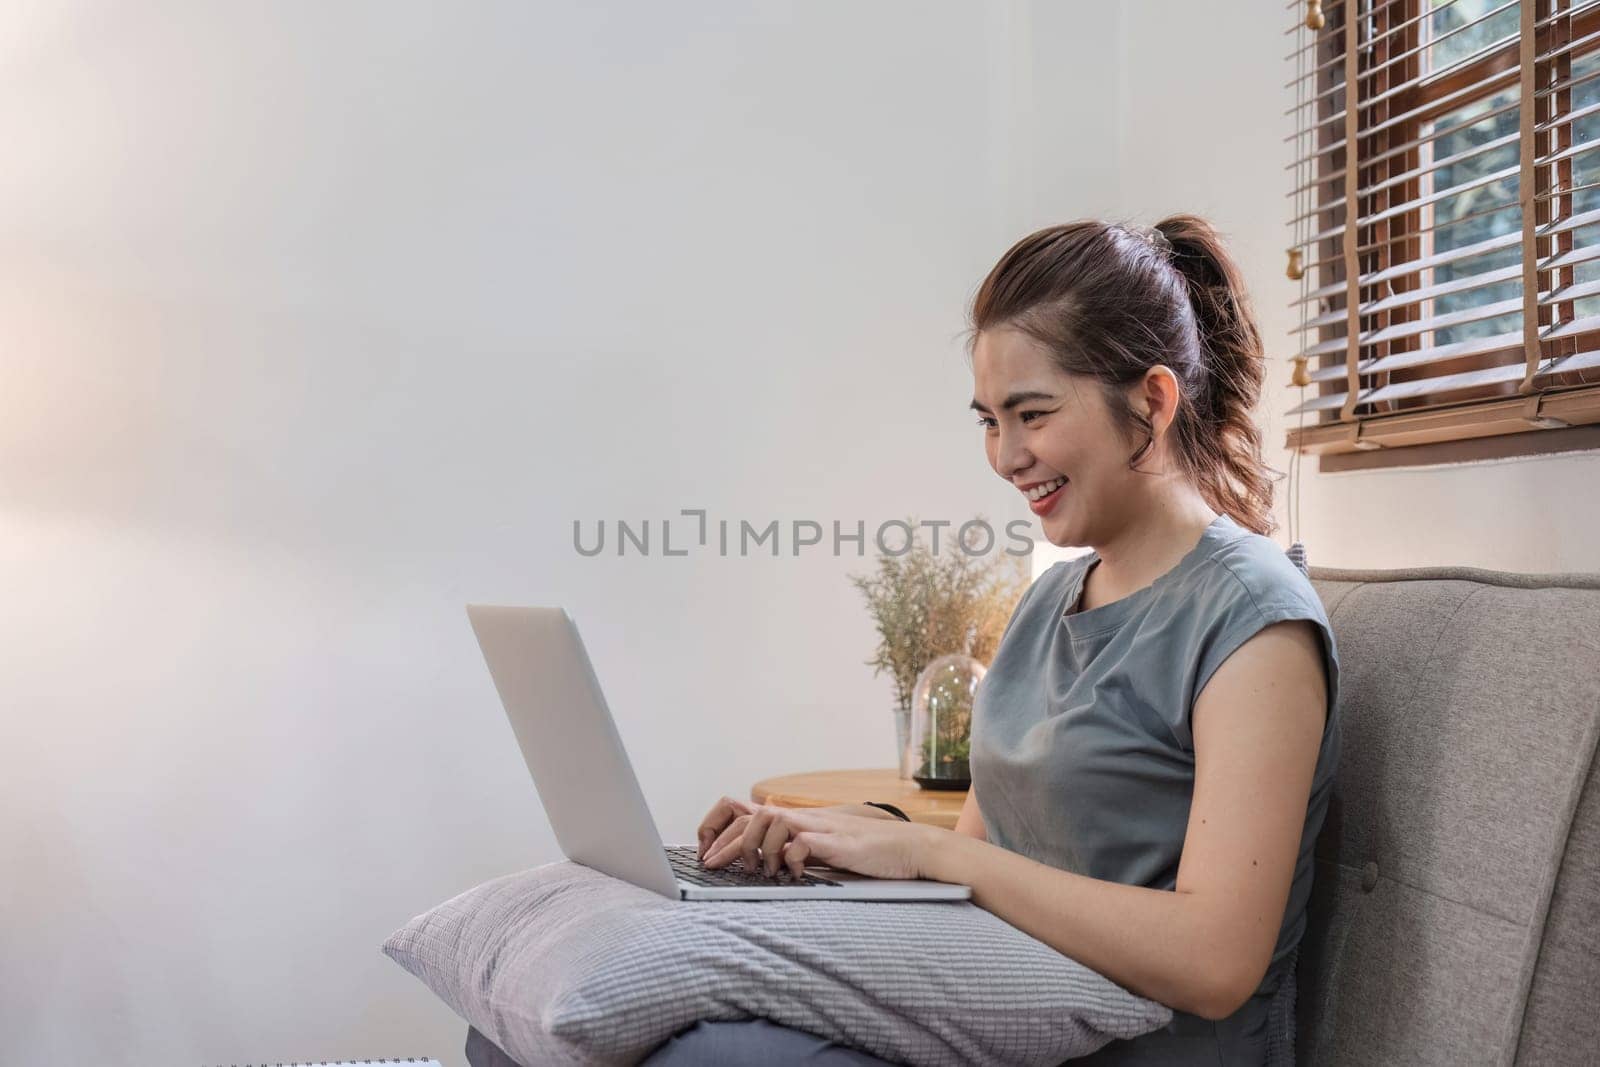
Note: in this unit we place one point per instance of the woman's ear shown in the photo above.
(1156, 398)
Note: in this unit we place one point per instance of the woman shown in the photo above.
(1154, 744)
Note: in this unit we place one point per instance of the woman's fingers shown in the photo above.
(755, 831)
(772, 846)
(764, 840)
(717, 820)
(723, 812)
(747, 837)
(725, 843)
(797, 852)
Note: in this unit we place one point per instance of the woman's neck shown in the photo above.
(1149, 547)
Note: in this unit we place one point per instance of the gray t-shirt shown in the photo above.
(1082, 756)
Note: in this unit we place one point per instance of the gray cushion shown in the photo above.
(1452, 917)
(564, 965)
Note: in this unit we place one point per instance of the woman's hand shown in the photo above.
(729, 817)
(766, 837)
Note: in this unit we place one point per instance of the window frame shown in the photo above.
(1562, 412)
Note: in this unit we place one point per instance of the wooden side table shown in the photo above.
(819, 789)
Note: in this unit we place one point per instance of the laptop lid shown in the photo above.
(570, 743)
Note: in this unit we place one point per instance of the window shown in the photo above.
(1459, 317)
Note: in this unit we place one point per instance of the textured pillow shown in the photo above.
(564, 965)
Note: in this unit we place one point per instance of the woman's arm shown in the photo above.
(970, 821)
(1204, 948)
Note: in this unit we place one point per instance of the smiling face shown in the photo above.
(1045, 428)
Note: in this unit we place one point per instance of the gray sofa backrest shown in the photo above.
(1455, 915)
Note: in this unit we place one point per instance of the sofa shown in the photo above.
(1455, 915)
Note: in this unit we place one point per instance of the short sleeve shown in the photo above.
(1248, 601)
(1244, 618)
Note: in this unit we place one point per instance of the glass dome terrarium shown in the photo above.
(941, 722)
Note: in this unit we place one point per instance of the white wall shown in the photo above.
(320, 321)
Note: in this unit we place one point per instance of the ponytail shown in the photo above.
(1230, 346)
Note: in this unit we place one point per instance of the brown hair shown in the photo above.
(1110, 303)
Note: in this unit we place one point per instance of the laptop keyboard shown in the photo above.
(685, 861)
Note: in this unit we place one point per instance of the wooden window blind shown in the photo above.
(1445, 227)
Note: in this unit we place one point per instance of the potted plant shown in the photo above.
(941, 721)
(926, 605)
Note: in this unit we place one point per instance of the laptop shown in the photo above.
(587, 784)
